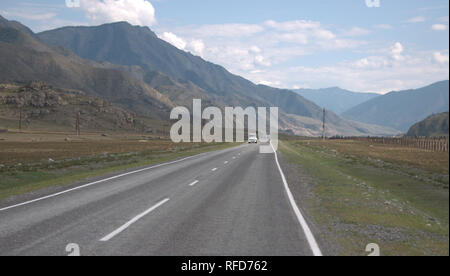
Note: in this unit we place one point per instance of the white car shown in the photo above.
(252, 140)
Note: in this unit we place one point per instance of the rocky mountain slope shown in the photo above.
(43, 105)
(24, 59)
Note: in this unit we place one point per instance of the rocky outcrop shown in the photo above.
(35, 94)
(44, 103)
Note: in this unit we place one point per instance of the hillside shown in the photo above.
(402, 109)
(181, 76)
(123, 44)
(44, 106)
(434, 126)
(25, 59)
(177, 91)
(334, 98)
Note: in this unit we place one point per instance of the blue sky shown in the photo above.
(286, 43)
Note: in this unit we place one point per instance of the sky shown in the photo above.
(361, 45)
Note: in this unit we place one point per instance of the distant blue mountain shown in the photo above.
(400, 110)
(335, 99)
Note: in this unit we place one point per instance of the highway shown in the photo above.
(233, 202)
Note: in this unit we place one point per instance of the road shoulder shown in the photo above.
(354, 201)
(300, 184)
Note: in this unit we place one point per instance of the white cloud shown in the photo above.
(439, 27)
(396, 51)
(197, 46)
(431, 8)
(44, 16)
(298, 30)
(298, 38)
(373, 62)
(323, 34)
(383, 79)
(356, 31)
(340, 44)
(268, 83)
(441, 58)
(136, 12)
(29, 15)
(289, 26)
(256, 71)
(383, 26)
(225, 30)
(249, 48)
(417, 19)
(174, 40)
(266, 53)
(255, 49)
(261, 61)
(392, 68)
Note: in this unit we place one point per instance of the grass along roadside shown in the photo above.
(356, 200)
(23, 178)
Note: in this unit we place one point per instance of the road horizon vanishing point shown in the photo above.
(234, 119)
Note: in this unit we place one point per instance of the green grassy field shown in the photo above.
(30, 162)
(392, 200)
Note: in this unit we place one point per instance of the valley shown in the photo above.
(111, 136)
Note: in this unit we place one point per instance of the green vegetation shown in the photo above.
(434, 126)
(357, 199)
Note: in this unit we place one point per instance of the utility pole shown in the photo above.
(77, 124)
(77, 120)
(323, 126)
(20, 117)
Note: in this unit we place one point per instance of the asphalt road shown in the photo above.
(231, 202)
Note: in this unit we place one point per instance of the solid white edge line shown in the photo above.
(215, 169)
(193, 183)
(132, 221)
(100, 181)
(226, 162)
(309, 235)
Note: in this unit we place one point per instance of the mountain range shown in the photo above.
(138, 47)
(134, 69)
(400, 110)
(25, 58)
(335, 99)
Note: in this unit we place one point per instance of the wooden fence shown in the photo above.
(431, 144)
